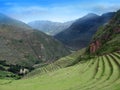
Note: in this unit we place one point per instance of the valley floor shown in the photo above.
(101, 73)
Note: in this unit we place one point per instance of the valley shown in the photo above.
(41, 52)
(100, 73)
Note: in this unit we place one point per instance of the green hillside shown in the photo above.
(107, 38)
(101, 73)
(94, 68)
(21, 44)
(64, 62)
(21, 47)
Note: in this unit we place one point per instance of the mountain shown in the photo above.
(75, 72)
(101, 72)
(21, 46)
(79, 34)
(107, 38)
(4, 19)
(50, 28)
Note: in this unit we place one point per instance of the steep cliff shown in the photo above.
(107, 38)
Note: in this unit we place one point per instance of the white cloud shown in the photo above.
(42, 13)
(106, 8)
(58, 13)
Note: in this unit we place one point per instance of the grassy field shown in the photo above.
(67, 61)
(100, 73)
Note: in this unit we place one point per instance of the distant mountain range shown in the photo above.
(96, 67)
(79, 34)
(50, 28)
(24, 46)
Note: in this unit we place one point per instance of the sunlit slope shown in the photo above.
(64, 62)
(100, 73)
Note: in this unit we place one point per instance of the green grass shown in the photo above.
(67, 61)
(100, 73)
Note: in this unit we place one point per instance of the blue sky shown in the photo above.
(55, 10)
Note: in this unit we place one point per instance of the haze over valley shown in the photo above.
(59, 45)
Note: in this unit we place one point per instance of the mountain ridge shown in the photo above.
(49, 27)
(79, 34)
(22, 46)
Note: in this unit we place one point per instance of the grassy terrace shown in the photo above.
(101, 73)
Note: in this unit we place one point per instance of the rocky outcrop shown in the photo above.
(117, 30)
(107, 38)
(94, 46)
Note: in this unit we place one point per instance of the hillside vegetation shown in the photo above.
(94, 68)
(19, 44)
(101, 73)
(64, 62)
(23, 47)
(107, 39)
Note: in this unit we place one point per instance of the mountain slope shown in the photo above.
(48, 27)
(79, 34)
(107, 39)
(23, 46)
(64, 62)
(100, 73)
(4, 19)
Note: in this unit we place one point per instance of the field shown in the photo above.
(100, 73)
